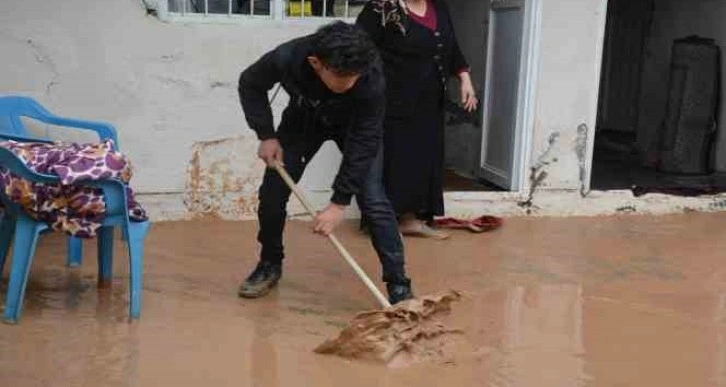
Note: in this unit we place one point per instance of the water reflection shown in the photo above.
(541, 337)
(263, 355)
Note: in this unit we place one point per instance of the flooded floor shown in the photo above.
(622, 301)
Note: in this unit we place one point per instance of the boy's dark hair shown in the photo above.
(344, 48)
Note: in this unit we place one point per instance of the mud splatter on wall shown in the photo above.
(223, 177)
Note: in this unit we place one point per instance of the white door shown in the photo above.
(508, 92)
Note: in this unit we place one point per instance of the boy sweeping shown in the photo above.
(336, 85)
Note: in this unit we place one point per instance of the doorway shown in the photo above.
(660, 117)
(488, 150)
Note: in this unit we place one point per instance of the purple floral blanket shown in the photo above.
(67, 207)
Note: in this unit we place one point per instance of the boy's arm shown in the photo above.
(254, 83)
(361, 147)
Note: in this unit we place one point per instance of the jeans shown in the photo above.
(372, 201)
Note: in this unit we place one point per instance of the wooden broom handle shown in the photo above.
(339, 246)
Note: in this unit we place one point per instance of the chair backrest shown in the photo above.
(12, 108)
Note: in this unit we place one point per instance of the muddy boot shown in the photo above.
(399, 291)
(263, 279)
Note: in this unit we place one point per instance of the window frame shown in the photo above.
(277, 13)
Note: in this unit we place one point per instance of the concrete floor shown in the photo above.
(620, 301)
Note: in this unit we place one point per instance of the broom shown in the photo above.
(382, 335)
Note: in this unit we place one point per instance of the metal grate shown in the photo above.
(292, 9)
(221, 7)
(323, 8)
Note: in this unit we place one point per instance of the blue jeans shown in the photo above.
(372, 201)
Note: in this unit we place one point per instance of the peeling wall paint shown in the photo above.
(568, 83)
(223, 178)
(571, 203)
(581, 152)
(538, 174)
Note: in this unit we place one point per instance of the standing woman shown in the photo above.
(420, 52)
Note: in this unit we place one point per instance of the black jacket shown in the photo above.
(314, 113)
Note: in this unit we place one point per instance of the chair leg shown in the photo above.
(75, 252)
(7, 228)
(105, 255)
(136, 235)
(26, 237)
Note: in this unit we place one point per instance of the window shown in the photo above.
(271, 9)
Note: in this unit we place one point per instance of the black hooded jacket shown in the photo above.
(314, 113)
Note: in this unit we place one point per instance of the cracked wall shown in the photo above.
(538, 173)
(166, 87)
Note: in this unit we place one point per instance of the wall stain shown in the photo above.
(218, 185)
(173, 81)
(626, 209)
(149, 7)
(224, 85)
(537, 174)
(171, 58)
(581, 152)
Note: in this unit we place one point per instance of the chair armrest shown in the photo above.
(9, 160)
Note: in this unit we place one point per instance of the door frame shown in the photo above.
(526, 95)
(595, 98)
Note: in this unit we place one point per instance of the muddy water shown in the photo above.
(632, 301)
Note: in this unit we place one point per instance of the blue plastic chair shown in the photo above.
(27, 230)
(12, 108)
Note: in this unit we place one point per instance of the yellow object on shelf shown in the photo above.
(294, 8)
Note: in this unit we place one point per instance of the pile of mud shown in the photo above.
(407, 330)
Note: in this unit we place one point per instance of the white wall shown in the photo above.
(567, 91)
(675, 19)
(166, 86)
(171, 90)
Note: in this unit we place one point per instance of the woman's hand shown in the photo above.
(468, 95)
